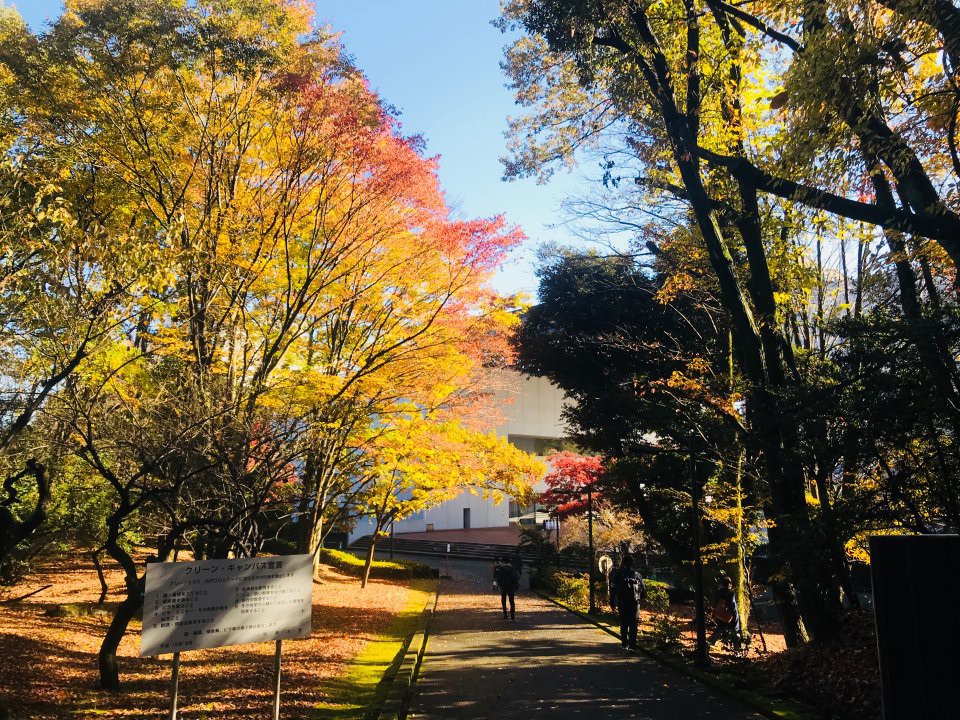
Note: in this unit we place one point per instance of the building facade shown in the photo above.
(532, 409)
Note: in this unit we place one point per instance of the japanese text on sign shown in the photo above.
(211, 603)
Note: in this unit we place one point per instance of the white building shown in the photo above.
(531, 408)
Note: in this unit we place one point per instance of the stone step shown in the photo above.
(468, 551)
(486, 551)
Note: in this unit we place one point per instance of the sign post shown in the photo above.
(214, 603)
(605, 563)
(174, 686)
(276, 680)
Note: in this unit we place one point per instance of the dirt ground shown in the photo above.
(49, 667)
(766, 637)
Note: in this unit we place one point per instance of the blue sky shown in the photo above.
(437, 62)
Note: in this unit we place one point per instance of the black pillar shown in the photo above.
(916, 587)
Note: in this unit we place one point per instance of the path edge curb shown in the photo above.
(792, 710)
(396, 702)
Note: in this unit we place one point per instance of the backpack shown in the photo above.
(630, 588)
(506, 576)
(722, 612)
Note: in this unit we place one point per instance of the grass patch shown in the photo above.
(351, 564)
(360, 693)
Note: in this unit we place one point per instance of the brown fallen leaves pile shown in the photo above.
(771, 642)
(48, 646)
(841, 678)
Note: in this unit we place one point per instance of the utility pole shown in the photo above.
(701, 658)
(593, 605)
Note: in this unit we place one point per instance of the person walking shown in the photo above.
(516, 560)
(627, 590)
(725, 613)
(508, 580)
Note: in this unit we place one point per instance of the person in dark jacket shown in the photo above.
(626, 592)
(508, 580)
(516, 559)
(726, 615)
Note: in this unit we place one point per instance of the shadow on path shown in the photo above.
(546, 663)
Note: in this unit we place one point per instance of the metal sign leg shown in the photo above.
(174, 686)
(276, 681)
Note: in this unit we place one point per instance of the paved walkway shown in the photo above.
(548, 663)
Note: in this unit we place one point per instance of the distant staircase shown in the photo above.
(438, 548)
(469, 551)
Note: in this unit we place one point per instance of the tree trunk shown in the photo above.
(738, 564)
(761, 360)
(304, 534)
(95, 556)
(107, 657)
(785, 600)
(792, 542)
(313, 545)
(784, 473)
(13, 531)
(835, 544)
(369, 560)
(936, 358)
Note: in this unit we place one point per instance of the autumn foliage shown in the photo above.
(571, 475)
(236, 292)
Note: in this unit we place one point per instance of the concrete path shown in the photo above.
(548, 663)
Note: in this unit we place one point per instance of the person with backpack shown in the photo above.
(516, 559)
(725, 614)
(627, 591)
(508, 580)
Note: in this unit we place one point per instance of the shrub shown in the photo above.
(572, 589)
(278, 546)
(544, 578)
(538, 542)
(666, 630)
(350, 564)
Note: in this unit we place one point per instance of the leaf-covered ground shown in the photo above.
(49, 641)
(766, 638)
(841, 677)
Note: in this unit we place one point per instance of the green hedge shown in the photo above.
(278, 546)
(385, 570)
(573, 588)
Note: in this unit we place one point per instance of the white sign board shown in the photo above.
(211, 603)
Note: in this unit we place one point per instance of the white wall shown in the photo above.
(483, 513)
(447, 516)
(530, 407)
